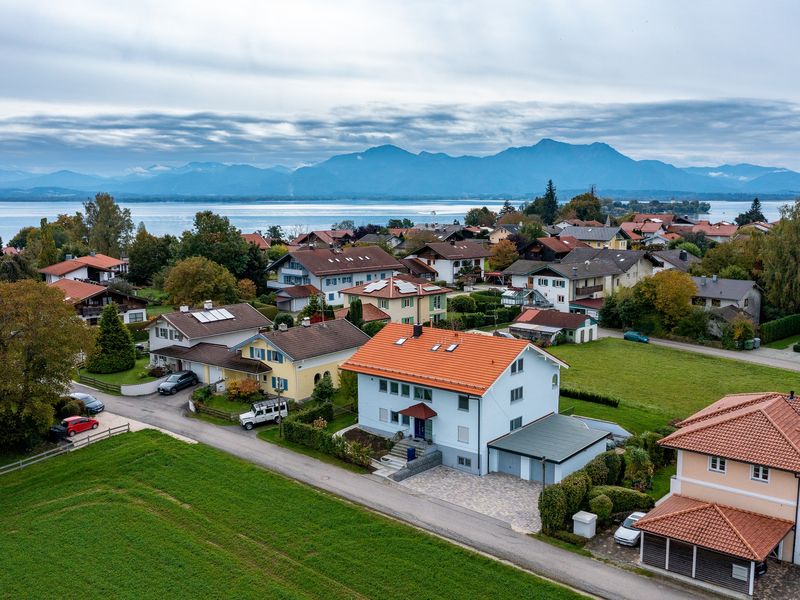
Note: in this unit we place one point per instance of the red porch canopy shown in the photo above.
(419, 411)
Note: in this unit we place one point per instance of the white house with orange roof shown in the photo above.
(489, 404)
(733, 502)
(92, 267)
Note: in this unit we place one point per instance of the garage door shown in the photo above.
(196, 368)
(214, 374)
(508, 463)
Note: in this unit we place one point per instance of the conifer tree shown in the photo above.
(48, 253)
(114, 351)
(356, 313)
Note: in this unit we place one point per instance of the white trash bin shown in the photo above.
(584, 524)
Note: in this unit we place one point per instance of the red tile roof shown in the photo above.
(75, 291)
(98, 261)
(298, 291)
(552, 318)
(457, 250)
(62, 268)
(419, 411)
(471, 368)
(666, 218)
(571, 242)
(369, 313)
(10, 251)
(596, 303)
(101, 261)
(629, 228)
(725, 529)
(762, 429)
(257, 239)
(715, 229)
(356, 259)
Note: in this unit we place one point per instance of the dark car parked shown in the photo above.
(92, 404)
(176, 382)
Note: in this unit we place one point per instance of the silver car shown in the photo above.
(626, 534)
(92, 404)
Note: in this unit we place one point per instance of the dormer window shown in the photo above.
(516, 366)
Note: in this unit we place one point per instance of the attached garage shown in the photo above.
(546, 450)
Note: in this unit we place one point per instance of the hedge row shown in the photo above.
(590, 396)
(780, 328)
(311, 414)
(323, 441)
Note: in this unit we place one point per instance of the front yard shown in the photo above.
(657, 384)
(138, 374)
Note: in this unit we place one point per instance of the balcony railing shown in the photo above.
(589, 289)
(96, 311)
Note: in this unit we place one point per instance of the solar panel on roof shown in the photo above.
(376, 286)
(226, 313)
(404, 287)
(431, 288)
(200, 316)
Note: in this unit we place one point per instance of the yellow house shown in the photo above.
(299, 357)
(597, 237)
(405, 299)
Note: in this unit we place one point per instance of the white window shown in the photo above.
(515, 424)
(406, 302)
(383, 414)
(759, 473)
(716, 464)
(463, 461)
(383, 385)
(516, 366)
(383, 303)
(424, 394)
(463, 434)
(463, 403)
(559, 283)
(516, 394)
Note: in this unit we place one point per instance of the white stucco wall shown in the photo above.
(579, 460)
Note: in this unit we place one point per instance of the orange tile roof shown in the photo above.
(10, 251)
(725, 529)
(471, 368)
(75, 291)
(62, 268)
(369, 313)
(666, 218)
(715, 229)
(629, 228)
(100, 261)
(761, 429)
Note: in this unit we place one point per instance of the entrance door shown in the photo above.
(419, 428)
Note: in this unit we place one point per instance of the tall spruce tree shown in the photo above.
(114, 351)
(48, 253)
(355, 313)
(549, 204)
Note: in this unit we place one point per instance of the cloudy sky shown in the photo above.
(105, 87)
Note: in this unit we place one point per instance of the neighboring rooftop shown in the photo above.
(97, 261)
(416, 267)
(552, 318)
(214, 354)
(298, 291)
(75, 291)
(326, 236)
(744, 534)
(457, 250)
(680, 259)
(192, 323)
(329, 261)
(723, 289)
(762, 429)
(462, 362)
(369, 313)
(715, 229)
(318, 339)
(554, 438)
(592, 234)
(258, 240)
(396, 287)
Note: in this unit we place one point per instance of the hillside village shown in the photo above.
(534, 366)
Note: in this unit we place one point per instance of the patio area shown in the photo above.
(504, 497)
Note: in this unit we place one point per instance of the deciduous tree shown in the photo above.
(781, 256)
(247, 289)
(480, 217)
(147, 255)
(586, 207)
(110, 226)
(214, 238)
(15, 267)
(196, 279)
(503, 255)
(671, 292)
(40, 339)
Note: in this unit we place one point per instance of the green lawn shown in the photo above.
(222, 403)
(661, 479)
(146, 516)
(155, 310)
(784, 343)
(658, 384)
(130, 376)
(271, 434)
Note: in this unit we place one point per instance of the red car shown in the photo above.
(72, 425)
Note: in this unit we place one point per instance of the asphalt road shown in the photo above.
(460, 525)
(768, 357)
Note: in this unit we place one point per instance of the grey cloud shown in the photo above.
(684, 132)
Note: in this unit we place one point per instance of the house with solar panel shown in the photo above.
(330, 270)
(202, 341)
(486, 404)
(403, 298)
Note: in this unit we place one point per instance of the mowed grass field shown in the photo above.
(658, 384)
(145, 516)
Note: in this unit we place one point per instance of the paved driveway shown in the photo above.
(110, 420)
(504, 497)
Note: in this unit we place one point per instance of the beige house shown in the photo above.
(733, 501)
(405, 299)
(295, 359)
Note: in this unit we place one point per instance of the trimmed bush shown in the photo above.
(602, 506)
(312, 413)
(638, 468)
(576, 485)
(615, 465)
(73, 408)
(623, 499)
(243, 390)
(201, 395)
(597, 470)
(462, 304)
(780, 328)
(268, 311)
(796, 348)
(552, 508)
(569, 537)
(318, 439)
(589, 396)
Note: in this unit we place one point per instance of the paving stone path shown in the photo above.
(504, 497)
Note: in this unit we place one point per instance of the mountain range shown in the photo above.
(391, 171)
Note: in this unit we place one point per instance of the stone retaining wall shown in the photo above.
(418, 465)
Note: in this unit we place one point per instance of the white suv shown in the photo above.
(268, 411)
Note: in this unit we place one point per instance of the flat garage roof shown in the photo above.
(554, 438)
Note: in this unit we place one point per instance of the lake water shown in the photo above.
(176, 216)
